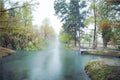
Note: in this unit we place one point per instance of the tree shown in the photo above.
(106, 32)
(102, 16)
(95, 22)
(93, 19)
(71, 16)
(65, 37)
(115, 21)
(19, 13)
(88, 38)
(22, 16)
(26, 14)
(13, 22)
(106, 16)
(3, 15)
(46, 30)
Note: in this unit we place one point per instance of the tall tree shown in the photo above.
(70, 15)
(105, 15)
(93, 19)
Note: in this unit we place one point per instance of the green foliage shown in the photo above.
(87, 37)
(115, 39)
(24, 39)
(16, 30)
(26, 15)
(65, 37)
(3, 15)
(89, 20)
(117, 33)
(104, 21)
(22, 16)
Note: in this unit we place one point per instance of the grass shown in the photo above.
(97, 70)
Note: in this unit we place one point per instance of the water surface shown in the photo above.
(55, 63)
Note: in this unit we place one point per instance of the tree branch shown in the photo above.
(17, 7)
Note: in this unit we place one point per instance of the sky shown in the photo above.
(45, 9)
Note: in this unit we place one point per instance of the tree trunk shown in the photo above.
(94, 38)
(75, 38)
(13, 44)
(75, 41)
(79, 41)
(89, 43)
(104, 43)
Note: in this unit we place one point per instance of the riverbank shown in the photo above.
(103, 52)
(103, 70)
(6, 52)
(98, 51)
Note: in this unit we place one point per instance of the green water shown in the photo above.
(55, 63)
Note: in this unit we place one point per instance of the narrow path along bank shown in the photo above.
(6, 52)
(113, 53)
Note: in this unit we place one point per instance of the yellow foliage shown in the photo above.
(104, 24)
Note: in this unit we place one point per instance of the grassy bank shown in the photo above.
(5, 52)
(102, 52)
(100, 70)
(110, 51)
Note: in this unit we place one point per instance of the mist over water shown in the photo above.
(54, 63)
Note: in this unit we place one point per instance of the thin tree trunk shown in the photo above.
(79, 41)
(75, 39)
(104, 43)
(94, 38)
(89, 43)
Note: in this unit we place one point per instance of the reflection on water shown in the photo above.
(55, 63)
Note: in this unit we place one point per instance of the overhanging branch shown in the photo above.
(17, 7)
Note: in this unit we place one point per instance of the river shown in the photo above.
(54, 63)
